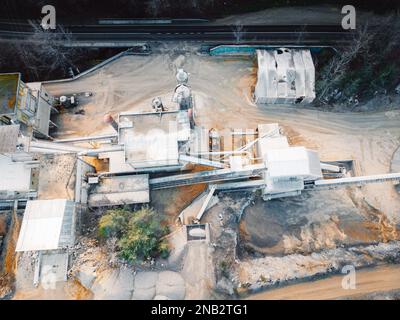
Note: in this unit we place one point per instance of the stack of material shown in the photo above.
(285, 76)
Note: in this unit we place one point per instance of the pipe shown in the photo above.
(216, 153)
(110, 120)
(54, 146)
(89, 138)
(95, 152)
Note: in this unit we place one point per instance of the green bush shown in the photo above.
(139, 233)
(113, 223)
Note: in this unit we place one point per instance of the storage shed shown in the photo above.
(47, 225)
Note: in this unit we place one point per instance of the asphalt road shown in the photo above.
(295, 34)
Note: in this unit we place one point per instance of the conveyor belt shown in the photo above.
(333, 183)
(205, 177)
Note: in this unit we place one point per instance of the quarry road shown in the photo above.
(350, 122)
(379, 279)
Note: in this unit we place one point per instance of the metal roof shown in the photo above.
(9, 138)
(8, 92)
(285, 76)
(47, 225)
(293, 162)
(150, 139)
(15, 175)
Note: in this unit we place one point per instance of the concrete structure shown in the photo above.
(48, 228)
(9, 138)
(47, 225)
(285, 76)
(269, 137)
(120, 190)
(288, 169)
(27, 104)
(151, 142)
(18, 178)
(183, 97)
(19, 171)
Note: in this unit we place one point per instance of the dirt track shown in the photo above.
(383, 278)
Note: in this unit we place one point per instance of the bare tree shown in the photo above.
(334, 72)
(238, 31)
(369, 55)
(47, 50)
(154, 7)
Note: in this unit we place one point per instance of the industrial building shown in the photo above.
(47, 225)
(48, 228)
(153, 140)
(28, 104)
(285, 76)
(19, 170)
(119, 189)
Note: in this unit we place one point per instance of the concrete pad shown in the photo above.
(171, 285)
(145, 286)
(116, 284)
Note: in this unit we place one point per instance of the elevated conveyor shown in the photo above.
(206, 177)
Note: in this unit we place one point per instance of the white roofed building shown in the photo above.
(288, 169)
(47, 225)
(285, 76)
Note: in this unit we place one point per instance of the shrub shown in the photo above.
(114, 223)
(140, 233)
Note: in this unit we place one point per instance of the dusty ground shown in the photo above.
(57, 176)
(395, 165)
(314, 221)
(368, 282)
(222, 89)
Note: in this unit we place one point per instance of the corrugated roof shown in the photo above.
(9, 138)
(47, 225)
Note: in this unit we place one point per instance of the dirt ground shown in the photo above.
(57, 176)
(380, 279)
(314, 221)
